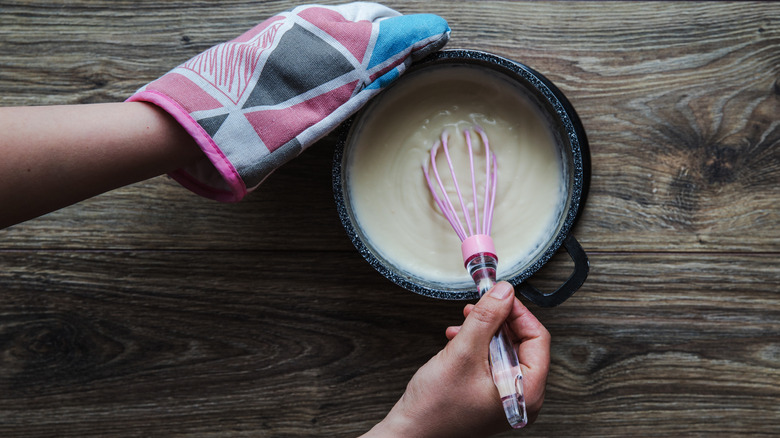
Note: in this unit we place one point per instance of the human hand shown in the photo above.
(256, 102)
(453, 394)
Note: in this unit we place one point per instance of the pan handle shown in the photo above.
(577, 278)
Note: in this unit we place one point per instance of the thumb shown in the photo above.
(397, 36)
(486, 317)
(402, 39)
(419, 34)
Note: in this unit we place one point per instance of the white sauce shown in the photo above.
(388, 193)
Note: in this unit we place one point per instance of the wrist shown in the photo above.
(391, 428)
(163, 135)
(410, 419)
(396, 424)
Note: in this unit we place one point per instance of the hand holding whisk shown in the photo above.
(473, 226)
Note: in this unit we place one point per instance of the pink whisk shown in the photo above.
(480, 260)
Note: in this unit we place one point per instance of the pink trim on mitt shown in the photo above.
(206, 143)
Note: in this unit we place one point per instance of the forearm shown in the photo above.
(54, 156)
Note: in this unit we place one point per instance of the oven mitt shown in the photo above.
(256, 102)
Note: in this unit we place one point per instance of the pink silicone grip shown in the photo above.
(476, 244)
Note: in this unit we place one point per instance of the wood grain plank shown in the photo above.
(148, 311)
(264, 341)
(241, 343)
(667, 345)
(679, 100)
(680, 105)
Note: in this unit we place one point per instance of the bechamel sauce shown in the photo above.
(391, 201)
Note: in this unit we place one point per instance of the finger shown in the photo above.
(467, 310)
(534, 348)
(486, 317)
(523, 322)
(451, 332)
(533, 352)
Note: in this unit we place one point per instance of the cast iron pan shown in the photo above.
(571, 138)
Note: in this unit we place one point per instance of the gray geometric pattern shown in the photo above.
(212, 124)
(255, 102)
(302, 61)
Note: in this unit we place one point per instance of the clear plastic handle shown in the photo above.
(504, 365)
(508, 378)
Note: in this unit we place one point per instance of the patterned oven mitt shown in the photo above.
(256, 102)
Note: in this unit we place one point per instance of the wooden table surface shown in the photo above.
(148, 311)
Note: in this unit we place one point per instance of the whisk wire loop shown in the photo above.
(482, 222)
(467, 134)
(444, 202)
(463, 206)
(490, 185)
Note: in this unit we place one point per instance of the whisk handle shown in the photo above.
(504, 365)
(508, 378)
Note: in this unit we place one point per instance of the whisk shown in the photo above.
(479, 258)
